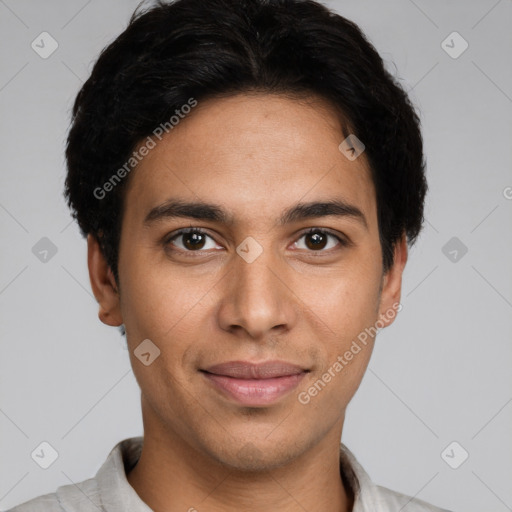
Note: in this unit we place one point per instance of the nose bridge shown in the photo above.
(258, 298)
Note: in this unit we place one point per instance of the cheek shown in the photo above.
(344, 352)
(157, 301)
(346, 302)
(347, 305)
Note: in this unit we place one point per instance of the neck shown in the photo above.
(171, 474)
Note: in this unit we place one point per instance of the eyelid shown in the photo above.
(336, 234)
(183, 231)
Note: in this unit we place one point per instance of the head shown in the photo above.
(230, 117)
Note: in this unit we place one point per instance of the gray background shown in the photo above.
(440, 373)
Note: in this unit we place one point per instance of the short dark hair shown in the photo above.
(174, 51)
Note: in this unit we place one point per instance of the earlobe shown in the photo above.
(103, 284)
(392, 284)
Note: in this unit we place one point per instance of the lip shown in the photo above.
(254, 384)
(248, 370)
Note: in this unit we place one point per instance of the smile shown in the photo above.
(254, 392)
(254, 384)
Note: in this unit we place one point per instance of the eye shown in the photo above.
(192, 240)
(317, 240)
(195, 240)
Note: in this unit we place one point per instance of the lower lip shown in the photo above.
(253, 392)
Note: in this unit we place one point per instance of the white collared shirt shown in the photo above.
(110, 491)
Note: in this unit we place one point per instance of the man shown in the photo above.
(248, 177)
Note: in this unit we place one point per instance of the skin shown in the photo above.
(255, 155)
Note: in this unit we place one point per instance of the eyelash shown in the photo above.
(167, 241)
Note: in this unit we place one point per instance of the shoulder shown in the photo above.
(369, 496)
(80, 497)
(393, 500)
(44, 503)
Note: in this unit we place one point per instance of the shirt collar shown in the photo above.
(116, 492)
(366, 494)
(117, 495)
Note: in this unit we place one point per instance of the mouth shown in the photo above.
(252, 384)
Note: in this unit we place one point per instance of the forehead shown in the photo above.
(255, 153)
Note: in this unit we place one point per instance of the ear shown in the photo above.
(392, 285)
(103, 284)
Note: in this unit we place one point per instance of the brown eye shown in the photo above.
(320, 240)
(316, 240)
(192, 240)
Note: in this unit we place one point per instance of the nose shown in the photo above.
(258, 299)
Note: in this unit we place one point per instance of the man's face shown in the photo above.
(283, 295)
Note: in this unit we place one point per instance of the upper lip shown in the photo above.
(247, 370)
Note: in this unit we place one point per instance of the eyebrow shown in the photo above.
(175, 208)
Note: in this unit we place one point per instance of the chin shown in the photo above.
(256, 457)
